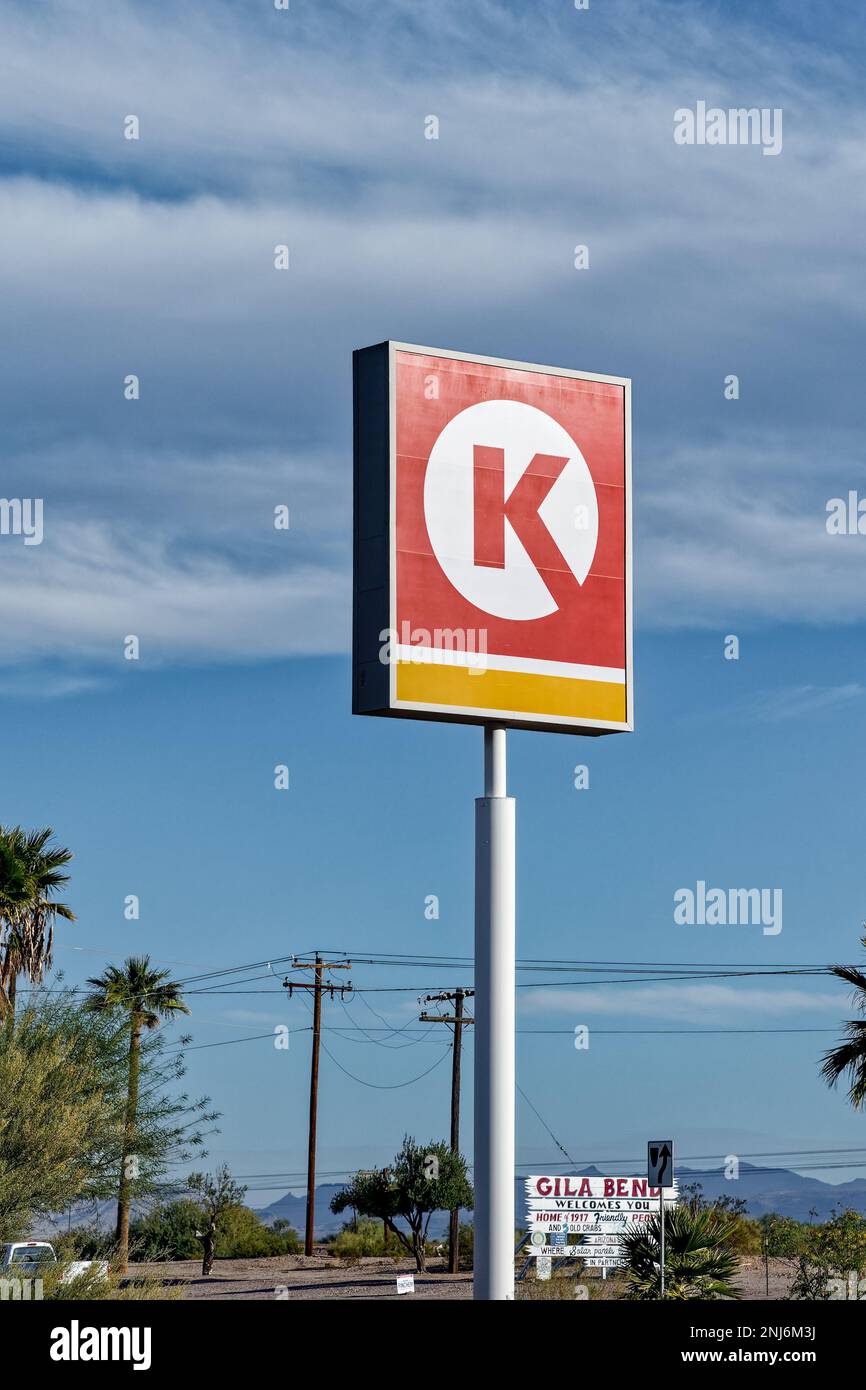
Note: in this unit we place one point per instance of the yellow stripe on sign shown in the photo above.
(518, 692)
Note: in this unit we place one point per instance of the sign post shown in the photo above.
(660, 1173)
(492, 586)
(494, 1027)
(662, 1238)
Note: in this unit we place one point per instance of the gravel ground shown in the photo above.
(751, 1278)
(295, 1276)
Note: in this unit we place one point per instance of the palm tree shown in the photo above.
(700, 1256)
(148, 996)
(30, 875)
(850, 1055)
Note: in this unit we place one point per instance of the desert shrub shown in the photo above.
(359, 1239)
(169, 1233)
(84, 1243)
(244, 1236)
(700, 1257)
(828, 1252)
(466, 1246)
(92, 1285)
(166, 1233)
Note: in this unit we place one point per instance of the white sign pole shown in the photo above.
(662, 1236)
(494, 1028)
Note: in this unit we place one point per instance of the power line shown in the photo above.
(230, 1042)
(391, 1086)
(396, 1033)
(426, 1034)
(765, 1153)
(561, 1147)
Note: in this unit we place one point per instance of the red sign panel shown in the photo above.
(496, 554)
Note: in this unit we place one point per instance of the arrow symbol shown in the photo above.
(661, 1158)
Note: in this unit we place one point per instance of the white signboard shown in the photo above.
(593, 1212)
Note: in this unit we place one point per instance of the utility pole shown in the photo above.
(318, 987)
(457, 1022)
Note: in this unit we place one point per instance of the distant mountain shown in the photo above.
(779, 1190)
(763, 1189)
(294, 1209)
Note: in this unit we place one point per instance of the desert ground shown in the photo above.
(319, 1276)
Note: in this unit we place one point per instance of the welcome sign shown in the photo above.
(593, 1212)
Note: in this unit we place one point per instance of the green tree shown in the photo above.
(422, 1179)
(54, 1120)
(146, 996)
(30, 875)
(216, 1195)
(63, 1103)
(850, 1056)
(700, 1259)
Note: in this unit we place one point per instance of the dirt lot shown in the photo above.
(299, 1276)
(295, 1276)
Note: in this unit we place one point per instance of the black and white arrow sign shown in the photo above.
(660, 1162)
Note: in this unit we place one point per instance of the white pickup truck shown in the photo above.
(28, 1259)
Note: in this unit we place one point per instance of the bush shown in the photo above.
(91, 1286)
(84, 1243)
(466, 1247)
(168, 1233)
(830, 1251)
(363, 1238)
(700, 1257)
(243, 1235)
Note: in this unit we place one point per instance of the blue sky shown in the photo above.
(156, 257)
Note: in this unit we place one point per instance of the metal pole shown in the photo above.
(494, 1028)
(662, 1235)
(314, 1102)
(454, 1225)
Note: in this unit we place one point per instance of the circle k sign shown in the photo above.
(490, 507)
(492, 541)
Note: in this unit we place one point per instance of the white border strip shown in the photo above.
(487, 661)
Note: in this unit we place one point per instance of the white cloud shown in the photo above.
(156, 257)
(803, 701)
(81, 594)
(737, 530)
(702, 1004)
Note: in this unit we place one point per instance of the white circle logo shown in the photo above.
(508, 495)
